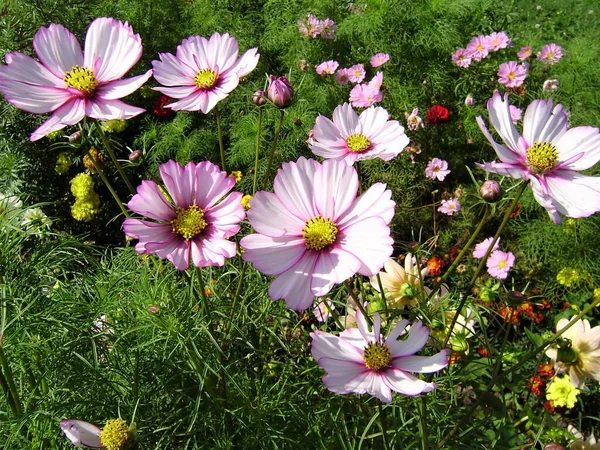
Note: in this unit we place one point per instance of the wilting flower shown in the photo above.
(203, 71)
(482, 248)
(512, 74)
(322, 311)
(478, 48)
(351, 137)
(525, 53)
(327, 68)
(548, 155)
(313, 232)
(70, 83)
(436, 114)
(516, 113)
(496, 41)
(461, 57)
(550, 53)
(562, 392)
(413, 120)
(437, 168)
(499, 263)
(550, 85)
(379, 59)
(327, 28)
(449, 207)
(356, 73)
(342, 76)
(196, 216)
(582, 358)
(401, 285)
(280, 91)
(362, 361)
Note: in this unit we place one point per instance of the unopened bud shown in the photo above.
(412, 246)
(259, 98)
(469, 101)
(459, 344)
(550, 85)
(75, 137)
(135, 155)
(490, 191)
(515, 298)
(280, 91)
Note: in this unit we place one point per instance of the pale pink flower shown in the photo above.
(516, 113)
(478, 48)
(482, 248)
(437, 168)
(309, 26)
(302, 28)
(356, 73)
(379, 59)
(196, 217)
(550, 53)
(81, 433)
(313, 232)
(512, 74)
(499, 263)
(365, 95)
(413, 120)
(327, 68)
(71, 83)
(350, 137)
(496, 41)
(550, 85)
(203, 71)
(342, 76)
(362, 361)
(461, 57)
(525, 52)
(449, 207)
(323, 309)
(549, 155)
(327, 28)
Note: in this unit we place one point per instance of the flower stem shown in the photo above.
(10, 383)
(359, 305)
(114, 159)
(108, 185)
(386, 445)
(205, 306)
(221, 145)
(255, 181)
(423, 423)
(274, 146)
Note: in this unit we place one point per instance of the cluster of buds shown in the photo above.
(87, 202)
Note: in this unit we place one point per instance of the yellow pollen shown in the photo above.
(550, 55)
(542, 157)
(189, 222)
(114, 435)
(501, 264)
(377, 355)
(318, 233)
(511, 76)
(81, 78)
(480, 48)
(358, 143)
(206, 79)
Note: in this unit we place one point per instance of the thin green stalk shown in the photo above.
(498, 364)
(386, 445)
(108, 185)
(359, 304)
(255, 181)
(113, 157)
(221, 145)
(423, 423)
(205, 305)
(10, 382)
(273, 147)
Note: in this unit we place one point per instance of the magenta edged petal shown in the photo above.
(194, 102)
(268, 216)
(405, 383)
(583, 141)
(68, 114)
(375, 202)
(506, 169)
(343, 376)
(345, 119)
(99, 108)
(121, 88)
(332, 267)
(272, 256)
(25, 69)
(58, 49)
(33, 99)
(417, 338)
(177, 251)
(326, 345)
(354, 337)
(81, 433)
(172, 71)
(150, 202)
(501, 120)
(178, 92)
(337, 152)
(574, 195)
(246, 64)
(422, 364)
(147, 232)
(222, 52)
(212, 97)
(179, 182)
(210, 249)
(372, 382)
(325, 131)
(336, 185)
(294, 187)
(227, 214)
(211, 184)
(192, 52)
(293, 285)
(542, 123)
(506, 155)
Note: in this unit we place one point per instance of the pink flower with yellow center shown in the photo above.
(512, 74)
(499, 263)
(356, 73)
(497, 41)
(327, 68)
(461, 57)
(449, 207)
(379, 59)
(478, 48)
(550, 54)
(525, 52)
(437, 168)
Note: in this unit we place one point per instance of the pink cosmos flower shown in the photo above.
(525, 52)
(550, 54)
(482, 247)
(437, 168)
(311, 26)
(512, 74)
(379, 59)
(327, 68)
(203, 71)
(356, 73)
(547, 154)
(73, 84)
(413, 120)
(461, 57)
(362, 361)
(499, 263)
(478, 48)
(496, 41)
(365, 95)
(313, 232)
(350, 137)
(197, 216)
(327, 28)
(449, 207)
(322, 311)
(342, 76)
(515, 113)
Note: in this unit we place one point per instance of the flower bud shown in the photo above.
(459, 344)
(259, 98)
(376, 305)
(75, 137)
(280, 91)
(412, 246)
(550, 85)
(469, 101)
(515, 298)
(135, 155)
(490, 191)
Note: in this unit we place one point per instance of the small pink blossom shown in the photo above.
(515, 113)
(550, 53)
(550, 85)
(499, 263)
(327, 28)
(311, 26)
(322, 311)
(413, 121)
(482, 247)
(496, 41)
(365, 95)
(449, 207)
(525, 52)
(379, 59)
(356, 73)
(342, 76)
(512, 74)
(478, 48)
(469, 100)
(462, 57)
(437, 168)
(327, 68)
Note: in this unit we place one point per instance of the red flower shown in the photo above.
(159, 107)
(549, 406)
(535, 385)
(546, 370)
(483, 352)
(436, 114)
(435, 265)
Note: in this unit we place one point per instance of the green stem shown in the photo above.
(498, 364)
(12, 387)
(205, 306)
(386, 445)
(255, 181)
(423, 423)
(108, 185)
(113, 157)
(274, 146)
(221, 145)
(359, 304)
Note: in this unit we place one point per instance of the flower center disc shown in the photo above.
(377, 355)
(358, 143)
(114, 435)
(189, 222)
(541, 157)
(81, 78)
(206, 79)
(319, 232)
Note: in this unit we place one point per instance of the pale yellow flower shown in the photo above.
(402, 285)
(562, 392)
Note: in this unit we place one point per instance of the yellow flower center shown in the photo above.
(550, 55)
(511, 76)
(81, 78)
(541, 157)
(480, 48)
(358, 143)
(377, 356)
(206, 79)
(318, 233)
(189, 222)
(501, 264)
(115, 434)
